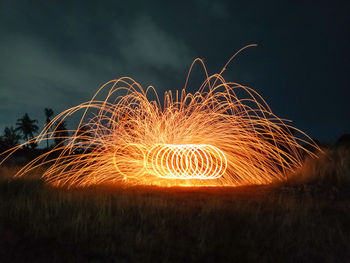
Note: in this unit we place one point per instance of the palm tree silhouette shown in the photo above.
(48, 114)
(9, 139)
(27, 127)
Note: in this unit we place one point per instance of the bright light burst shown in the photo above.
(207, 138)
(171, 161)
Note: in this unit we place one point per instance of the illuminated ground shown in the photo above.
(147, 224)
(303, 220)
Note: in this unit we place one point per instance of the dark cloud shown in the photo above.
(37, 72)
(142, 42)
(57, 55)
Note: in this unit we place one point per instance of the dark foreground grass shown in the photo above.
(252, 224)
(305, 220)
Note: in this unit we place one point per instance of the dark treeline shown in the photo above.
(26, 129)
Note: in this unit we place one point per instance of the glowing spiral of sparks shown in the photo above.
(189, 161)
(125, 137)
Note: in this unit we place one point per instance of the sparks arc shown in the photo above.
(223, 134)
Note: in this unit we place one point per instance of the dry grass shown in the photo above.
(283, 223)
(330, 172)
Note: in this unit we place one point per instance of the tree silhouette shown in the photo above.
(61, 133)
(9, 139)
(27, 127)
(48, 114)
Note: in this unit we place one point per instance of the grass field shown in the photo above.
(304, 220)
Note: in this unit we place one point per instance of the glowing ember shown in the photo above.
(210, 137)
(170, 161)
(186, 161)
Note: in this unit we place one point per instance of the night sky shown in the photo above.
(58, 55)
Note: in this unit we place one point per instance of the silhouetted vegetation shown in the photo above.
(48, 114)
(344, 140)
(27, 128)
(9, 139)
